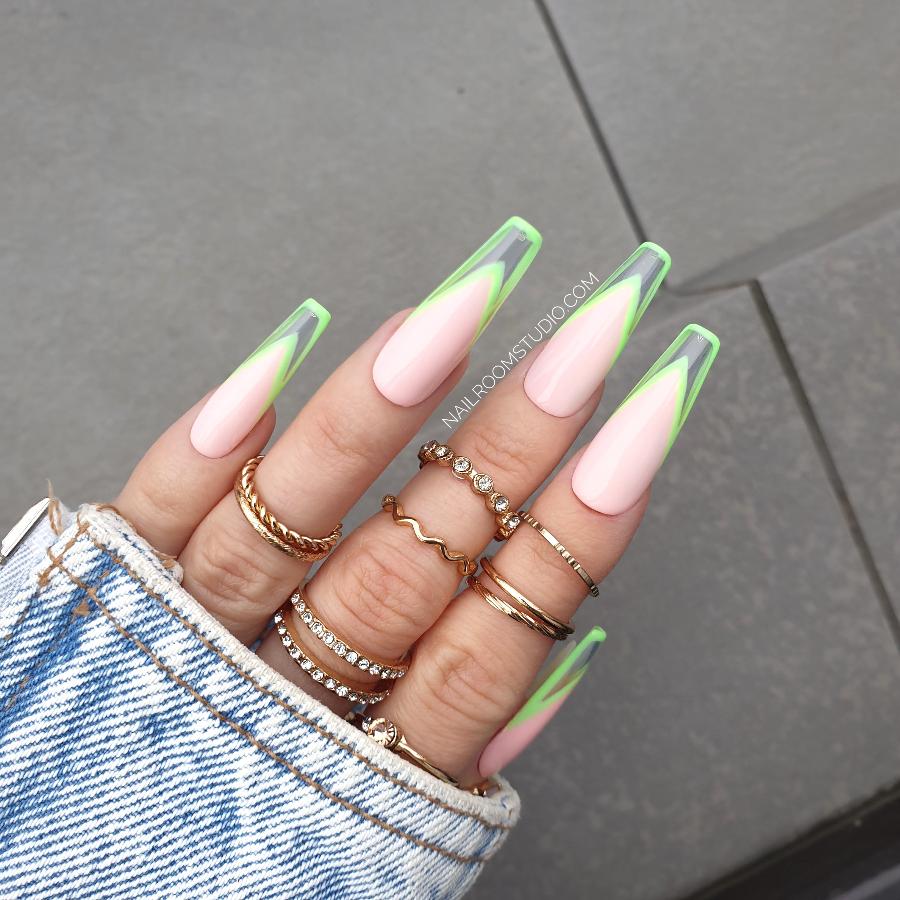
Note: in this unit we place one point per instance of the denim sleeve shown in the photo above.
(145, 752)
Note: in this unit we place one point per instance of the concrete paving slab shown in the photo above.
(175, 178)
(839, 309)
(745, 133)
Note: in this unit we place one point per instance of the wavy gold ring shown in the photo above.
(464, 565)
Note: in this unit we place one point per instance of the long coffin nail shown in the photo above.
(584, 349)
(439, 332)
(620, 462)
(239, 402)
(566, 670)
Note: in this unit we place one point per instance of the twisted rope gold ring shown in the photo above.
(300, 546)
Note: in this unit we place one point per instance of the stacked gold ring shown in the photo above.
(561, 628)
(531, 615)
(300, 546)
(388, 671)
(315, 670)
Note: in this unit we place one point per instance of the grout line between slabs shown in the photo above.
(593, 124)
(826, 457)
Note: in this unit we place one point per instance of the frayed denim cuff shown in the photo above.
(146, 752)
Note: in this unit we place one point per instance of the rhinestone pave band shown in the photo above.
(314, 669)
(337, 645)
(480, 482)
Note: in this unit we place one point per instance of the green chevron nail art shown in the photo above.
(567, 669)
(239, 403)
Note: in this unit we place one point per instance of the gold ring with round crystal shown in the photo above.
(315, 670)
(389, 671)
(461, 467)
(300, 546)
(561, 628)
(386, 734)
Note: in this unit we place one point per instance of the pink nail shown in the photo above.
(584, 349)
(239, 402)
(555, 683)
(437, 335)
(623, 458)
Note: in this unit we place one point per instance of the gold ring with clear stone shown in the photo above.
(386, 734)
(389, 671)
(480, 482)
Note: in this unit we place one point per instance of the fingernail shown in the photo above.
(584, 349)
(620, 462)
(439, 332)
(238, 404)
(565, 671)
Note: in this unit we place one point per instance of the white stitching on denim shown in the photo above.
(283, 703)
(419, 842)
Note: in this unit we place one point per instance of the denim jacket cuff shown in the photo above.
(181, 763)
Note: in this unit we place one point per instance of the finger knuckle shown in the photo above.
(468, 681)
(331, 436)
(228, 570)
(502, 454)
(384, 592)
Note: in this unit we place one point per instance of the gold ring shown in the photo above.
(314, 669)
(563, 630)
(464, 565)
(461, 467)
(389, 671)
(516, 614)
(561, 550)
(386, 734)
(300, 546)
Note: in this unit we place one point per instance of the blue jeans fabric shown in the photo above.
(145, 752)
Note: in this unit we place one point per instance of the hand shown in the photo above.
(383, 592)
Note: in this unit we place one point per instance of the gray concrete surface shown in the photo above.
(174, 178)
(838, 308)
(744, 132)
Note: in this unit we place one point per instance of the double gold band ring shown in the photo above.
(561, 629)
(532, 616)
(300, 546)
